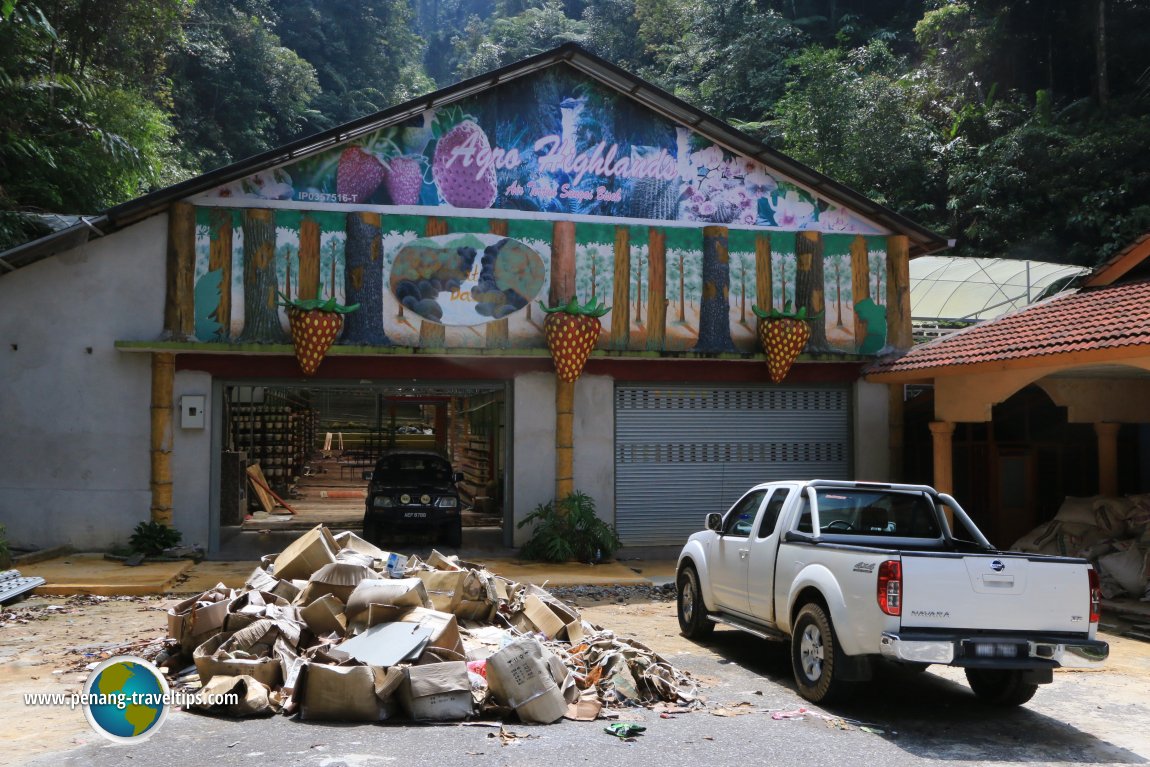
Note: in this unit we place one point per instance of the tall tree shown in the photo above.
(714, 305)
(363, 281)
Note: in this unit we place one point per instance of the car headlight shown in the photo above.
(447, 502)
(382, 502)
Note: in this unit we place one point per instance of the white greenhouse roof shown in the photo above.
(955, 288)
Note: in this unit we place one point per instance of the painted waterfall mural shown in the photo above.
(554, 144)
(475, 283)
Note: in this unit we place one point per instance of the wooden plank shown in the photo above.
(163, 375)
(263, 490)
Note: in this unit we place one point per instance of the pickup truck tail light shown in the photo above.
(1095, 596)
(890, 587)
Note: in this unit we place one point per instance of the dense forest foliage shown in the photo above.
(1018, 127)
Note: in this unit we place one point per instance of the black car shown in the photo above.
(413, 492)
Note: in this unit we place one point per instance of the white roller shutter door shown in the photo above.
(682, 451)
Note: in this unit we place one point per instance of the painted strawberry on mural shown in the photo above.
(783, 335)
(462, 181)
(359, 175)
(314, 327)
(571, 332)
(404, 179)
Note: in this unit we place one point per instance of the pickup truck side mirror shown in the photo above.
(367, 475)
(457, 476)
(715, 521)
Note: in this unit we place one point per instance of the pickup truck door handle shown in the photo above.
(743, 553)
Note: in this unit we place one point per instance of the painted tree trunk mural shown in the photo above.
(714, 305)
(621, 299)
(433, 334)
(682, 287)
(308, 286)
(363, 281)
(898, 319)
(860, 284)
(497, 330)
(220, 258)
(261, 285)
(763, 296)
(639, 263)
(561, 291)
(180, 287)
(809, 289)
(656, 288)
(838, 262)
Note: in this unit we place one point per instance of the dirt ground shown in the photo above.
(46, 644)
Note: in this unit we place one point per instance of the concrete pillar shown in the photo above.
(1107, 457)
(942, 432)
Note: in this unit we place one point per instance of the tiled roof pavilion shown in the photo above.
(1088, 349)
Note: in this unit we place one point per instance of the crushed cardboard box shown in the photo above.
(335, 628)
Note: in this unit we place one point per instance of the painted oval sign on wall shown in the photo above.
(466, 279)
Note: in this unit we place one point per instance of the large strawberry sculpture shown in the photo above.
(314, 327)
(571, 332)
(462, 181)
(782, 336)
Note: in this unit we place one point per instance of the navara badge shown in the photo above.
(997, 566)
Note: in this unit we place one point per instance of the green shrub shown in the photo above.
(151, 538)
(569, 530)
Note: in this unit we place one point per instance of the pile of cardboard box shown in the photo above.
(336, 628)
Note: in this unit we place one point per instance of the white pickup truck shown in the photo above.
(850, 572)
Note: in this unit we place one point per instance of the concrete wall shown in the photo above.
(192, 463)
(74, 424)
(871, 413)
(533, 444)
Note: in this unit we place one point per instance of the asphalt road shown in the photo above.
(910, 719)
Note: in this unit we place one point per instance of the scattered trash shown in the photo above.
(335, 628)
(624, 730)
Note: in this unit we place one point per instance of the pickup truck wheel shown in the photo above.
(815, 655)
(693, 621)
(1000, 687)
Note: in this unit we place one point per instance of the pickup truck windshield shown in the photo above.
(855, 511)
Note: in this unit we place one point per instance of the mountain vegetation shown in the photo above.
(1017, 127)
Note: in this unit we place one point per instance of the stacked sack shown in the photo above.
(1113, 533)
(335, 628)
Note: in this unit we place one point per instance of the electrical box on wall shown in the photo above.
(192, 411)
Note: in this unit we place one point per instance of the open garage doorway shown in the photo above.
(293, 456)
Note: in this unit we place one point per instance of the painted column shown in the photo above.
(179, 303)
(1107, 457)
(860, 284)
(163, 375)
(621, 298)
(899, 333)
(561, 291)
(942, 434)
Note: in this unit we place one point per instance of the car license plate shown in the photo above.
(415, 515)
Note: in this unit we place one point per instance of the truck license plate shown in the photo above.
(994, 650)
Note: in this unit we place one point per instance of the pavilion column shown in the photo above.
(942, 433)
(1107, 457)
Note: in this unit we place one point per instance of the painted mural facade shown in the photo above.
(552, 144)
(477, 283)
(441, 230)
